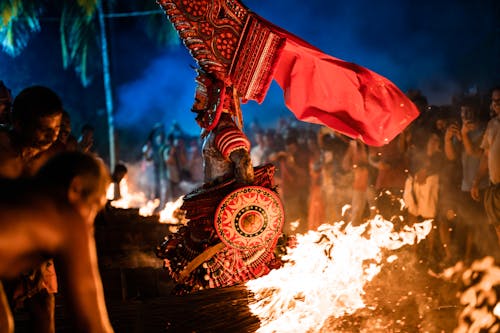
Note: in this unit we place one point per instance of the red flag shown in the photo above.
(346, 97)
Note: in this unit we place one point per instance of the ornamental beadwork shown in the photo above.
(210, 29)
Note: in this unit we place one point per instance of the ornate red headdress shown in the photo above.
(233, 49)
(239, 49)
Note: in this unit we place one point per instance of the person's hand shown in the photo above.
(453, 131)
(474, 191)
(243, 169)
(467, 127)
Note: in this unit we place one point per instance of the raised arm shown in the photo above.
(77, 262)
(243, 169)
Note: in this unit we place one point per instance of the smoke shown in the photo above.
(162, 94)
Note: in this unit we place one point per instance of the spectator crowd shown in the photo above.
(445, 167)
(435, 169)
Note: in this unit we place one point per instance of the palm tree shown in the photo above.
(82, 30)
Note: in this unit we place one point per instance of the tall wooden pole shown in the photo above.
(107, 87)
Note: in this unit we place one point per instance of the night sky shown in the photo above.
(439, 47)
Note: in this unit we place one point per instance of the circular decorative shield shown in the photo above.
(249, 218)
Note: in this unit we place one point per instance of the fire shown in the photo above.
(324, 275)
(169, 214)
(149, 208)
(481, 295)
(128, 199)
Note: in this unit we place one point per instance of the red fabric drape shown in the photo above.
(346, 97)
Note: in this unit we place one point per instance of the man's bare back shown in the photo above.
(36, 225)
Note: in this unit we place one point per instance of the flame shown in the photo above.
(146, 207)
(149, 208)
(167, 215)
(129, 199)
(294, 225)
(345, 208)
(324, 275)
(110, 192)
(481, 298)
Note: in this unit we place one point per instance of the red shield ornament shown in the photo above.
(250, 218)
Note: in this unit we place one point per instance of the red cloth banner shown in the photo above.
(346, 97)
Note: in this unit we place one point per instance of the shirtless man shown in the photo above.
(57, 207)
(24, 146)
(36, 119)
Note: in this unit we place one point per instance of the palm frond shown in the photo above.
(63, 37)
(9, 10)
(89, 7)
(78, 38)
(158, 27)
(19, 20)
(81, 68)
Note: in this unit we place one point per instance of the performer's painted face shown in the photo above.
(201, 99)
(206, 99)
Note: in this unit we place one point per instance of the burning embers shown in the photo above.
(324, 275)
(480, 296)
